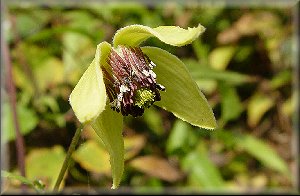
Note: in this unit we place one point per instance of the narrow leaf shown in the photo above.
(264, 153)
(109, 126)
(133, 35)
(201, 169)
(182, 96)
(88, 98)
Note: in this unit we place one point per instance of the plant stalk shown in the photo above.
(67, 160)
(20, 146)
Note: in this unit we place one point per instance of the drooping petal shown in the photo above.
(108, 126)
(133, 35)
(88, 98)
(182, 96)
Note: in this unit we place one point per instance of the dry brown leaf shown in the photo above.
(157, 167)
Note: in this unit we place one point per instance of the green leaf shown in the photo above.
(202, 171)
(199, 71)
(37, 185)
(109, 126)
(78, 50)
(92, 157)
(282, 78)
(49, 73)
(154, 121)
(27, 121)
(44, 164)
(231, 106)
(220, 57)
(182, 96)
(179, 136)
(133, 35)
(88, 98)
(258, 105)
(263, 152)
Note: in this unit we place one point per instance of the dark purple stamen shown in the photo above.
(130, 82)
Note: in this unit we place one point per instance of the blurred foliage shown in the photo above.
(243, 64)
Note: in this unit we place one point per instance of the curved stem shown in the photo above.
(68, 157)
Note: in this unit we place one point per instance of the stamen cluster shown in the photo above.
(130, 82)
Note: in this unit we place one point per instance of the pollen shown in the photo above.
(144, 98)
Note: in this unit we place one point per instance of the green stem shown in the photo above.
(68, 157)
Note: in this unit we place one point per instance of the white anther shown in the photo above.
(146, 73)
(152, 74)
(124, 88)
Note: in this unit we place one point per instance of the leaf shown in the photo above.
(157, 167)
(199, 71)
(179, 136)
(201, 170)
(49, 73)
(108, 126)
(258, 105)
(220, 57)
(263, 152)
(44, 164)
(27, 121)
(154, 121)
(133, 145)
(90, 88)
(37, 185)
(133, 35)
(282, 78)
(182, 96)
(92, 157)
(78, 50)
(231, 106)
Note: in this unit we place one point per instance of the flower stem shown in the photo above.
(68, 157)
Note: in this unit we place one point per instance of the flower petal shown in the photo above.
(133, 35)
(182, 96)
(109, 126)
(88, 98)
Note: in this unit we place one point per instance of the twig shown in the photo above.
(68, 158)
(12, 92)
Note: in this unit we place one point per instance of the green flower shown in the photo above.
(126, 79)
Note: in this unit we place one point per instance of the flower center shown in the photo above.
(130, 82)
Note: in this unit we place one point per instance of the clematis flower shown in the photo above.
(125, 79)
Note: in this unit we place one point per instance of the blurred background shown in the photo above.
(243, 63)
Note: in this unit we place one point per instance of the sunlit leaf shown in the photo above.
(258, 105)
(108, 126)
(133, 35)
(157, 167)
(92, 157)
(220, 57)
(133, 145)
(182, 96)
(44, 164)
